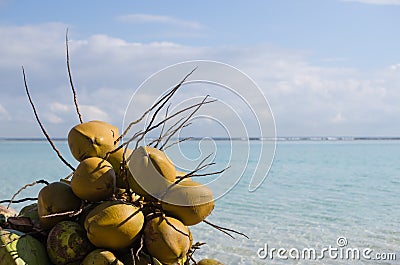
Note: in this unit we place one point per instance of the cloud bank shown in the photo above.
(306, 98)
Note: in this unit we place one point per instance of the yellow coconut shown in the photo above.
(56, 198)
(189, 201)
(114, 225)
(181, 174)
(167, 240)
(151, 171)
(115, 160)
(209, 262)
(93, 179)
(101, 257)
(93, 138)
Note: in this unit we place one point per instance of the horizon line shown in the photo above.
(256, 138)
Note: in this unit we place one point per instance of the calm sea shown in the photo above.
(337, 198)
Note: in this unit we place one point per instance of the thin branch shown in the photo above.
(177, 142)
(24, 187)
(142, 133)
(69, 213)
(19, 201)
(162, 128)
(164, 99)
(70, 79)
(184, 122)
(182, 125)
(41, 125)
(211, 173)
(199, 167)
(176, 229)
(225, 230)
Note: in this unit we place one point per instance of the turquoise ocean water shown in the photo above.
(316, 193)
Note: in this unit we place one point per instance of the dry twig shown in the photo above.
(70, 80)
(41, 125)
(225, 230)
(24, 187)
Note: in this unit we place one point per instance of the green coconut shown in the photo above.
(17, 248)
(93, 179)
(167, 239)
(67, 242)
(93, 138)
(30, 211)
(56, 198)
(151, 171)
(101, 257)
(189, 201)
(114, 225)
(209, 262)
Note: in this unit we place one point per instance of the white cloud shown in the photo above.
(376, 2)
(59, 107)
(4, 114)
(53, 118)
(148, 18)
(306, 98)
(94, 113)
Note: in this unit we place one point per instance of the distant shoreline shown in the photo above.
(289, 138)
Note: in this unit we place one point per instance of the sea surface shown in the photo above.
(331, 197)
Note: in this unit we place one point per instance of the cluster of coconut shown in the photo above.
(121, 206)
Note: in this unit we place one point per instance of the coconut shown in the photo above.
(189, 201)
(93, 138)
(167, 239)
(30, 211)
(93, 179)
(101, 257)
(115, 160)
(114, 225)
(209, 262)
(151, 171)
(17, 248)
(142, 259)
(67, 243)
(56, 198)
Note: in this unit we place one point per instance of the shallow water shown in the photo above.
(315, 193)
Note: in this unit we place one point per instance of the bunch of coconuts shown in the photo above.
(121, 206)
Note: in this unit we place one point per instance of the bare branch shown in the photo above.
(18, 201)
(24, 187)
(41, 125)
(162, 128)
(225, 230)
(184, 121)
(70, 80)
(142, 133)
(163, 100)
(177, 142)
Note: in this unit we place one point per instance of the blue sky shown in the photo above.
(327, 67)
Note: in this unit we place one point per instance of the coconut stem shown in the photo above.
(19, 201)
(70, 79)
(184, 122)
(225, 230)
(41, 125)
(24, 187)
(163, 100)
